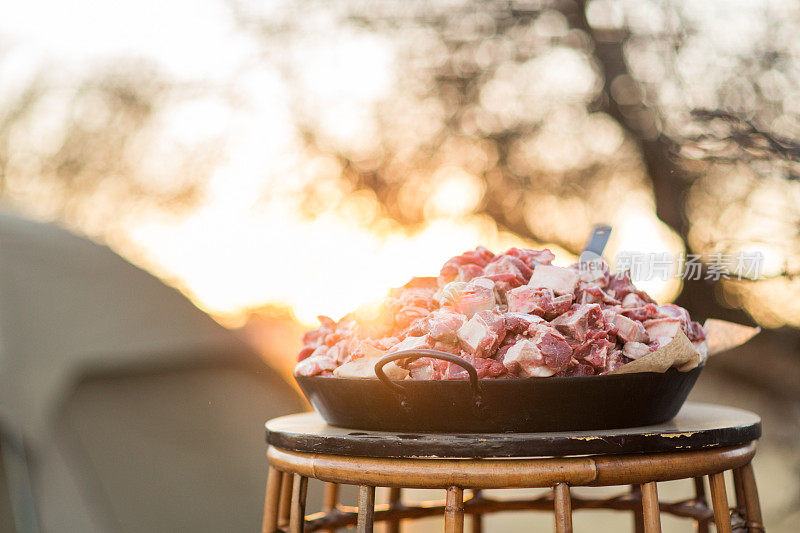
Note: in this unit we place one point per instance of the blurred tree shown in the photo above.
(84, 152)
(562, 109)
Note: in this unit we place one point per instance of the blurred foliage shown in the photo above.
(87, 152)
(545, 116)
(562, 111)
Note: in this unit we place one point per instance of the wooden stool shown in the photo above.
(703, 440)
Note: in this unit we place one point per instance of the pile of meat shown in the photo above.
(510, 315)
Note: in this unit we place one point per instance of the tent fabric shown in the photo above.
(68, 305)
(137, 410)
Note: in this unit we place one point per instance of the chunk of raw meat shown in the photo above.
(427, 368)
(470, 297)
(479, 257)
(578, 320)
(543, 355)
(674, 311)
(614, 360)
(635, 350)
(559, 280)
(577, 369)
(506, 264)
(696, 332)
(592, 295)
(485, 368)
(640, 314)
(594, 350)
(553, 346)
(526, 360)
(365, 368)
(443, 325)
(630, 330)
(632, 300)
(363, 349)
(532, 257)
(316, 363)
(620, 285)
(482, 334)
(542, 302)
(521, 322)
(662, 327)
(411, 343)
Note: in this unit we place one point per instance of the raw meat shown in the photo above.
(509, 315)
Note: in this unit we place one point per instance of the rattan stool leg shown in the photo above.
(563, 508)
(454, 511)
(477, 519)
(393, 526)
(700, 497)
(719, 499)
(638, 514)
(752, 506)
(366, 509)
(271, 501)
(297, 516)
(652, 514)
(286, 499)
(330, 500)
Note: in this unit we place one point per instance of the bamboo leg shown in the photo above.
(752, 506)
(271, 501)
(638, 514)
(454, 511)
(366, 509)
(719, 499)
(286, 500)
(738, 490)
(297, 517)
(563, 508)
(393, 526)
(477, 519)
(330, 500)
(700, 497)
(739, 515)
(652, 515)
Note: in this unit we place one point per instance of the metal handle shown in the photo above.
(598, 239)
(597, 243)
(435, 354)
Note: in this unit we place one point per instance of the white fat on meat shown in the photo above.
(365, 368)
(632, 300)
(476, 335)
(559, 280)
(635, 350)
(630, 330)
(410, 343)
(659, 328)
(317, 362)
(468, 298)
(526, 359)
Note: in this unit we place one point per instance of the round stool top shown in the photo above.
(696, 426)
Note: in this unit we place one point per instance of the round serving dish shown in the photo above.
(500, 405)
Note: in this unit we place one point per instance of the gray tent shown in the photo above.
(122, 406)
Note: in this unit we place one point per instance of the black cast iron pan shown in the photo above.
(497, 405)
(500, 405)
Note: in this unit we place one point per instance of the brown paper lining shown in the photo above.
(681, 354)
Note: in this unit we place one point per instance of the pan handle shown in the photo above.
(435, 354)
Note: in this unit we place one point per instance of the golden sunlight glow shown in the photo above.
(637, 230)
(455, 192)
(330, 265)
